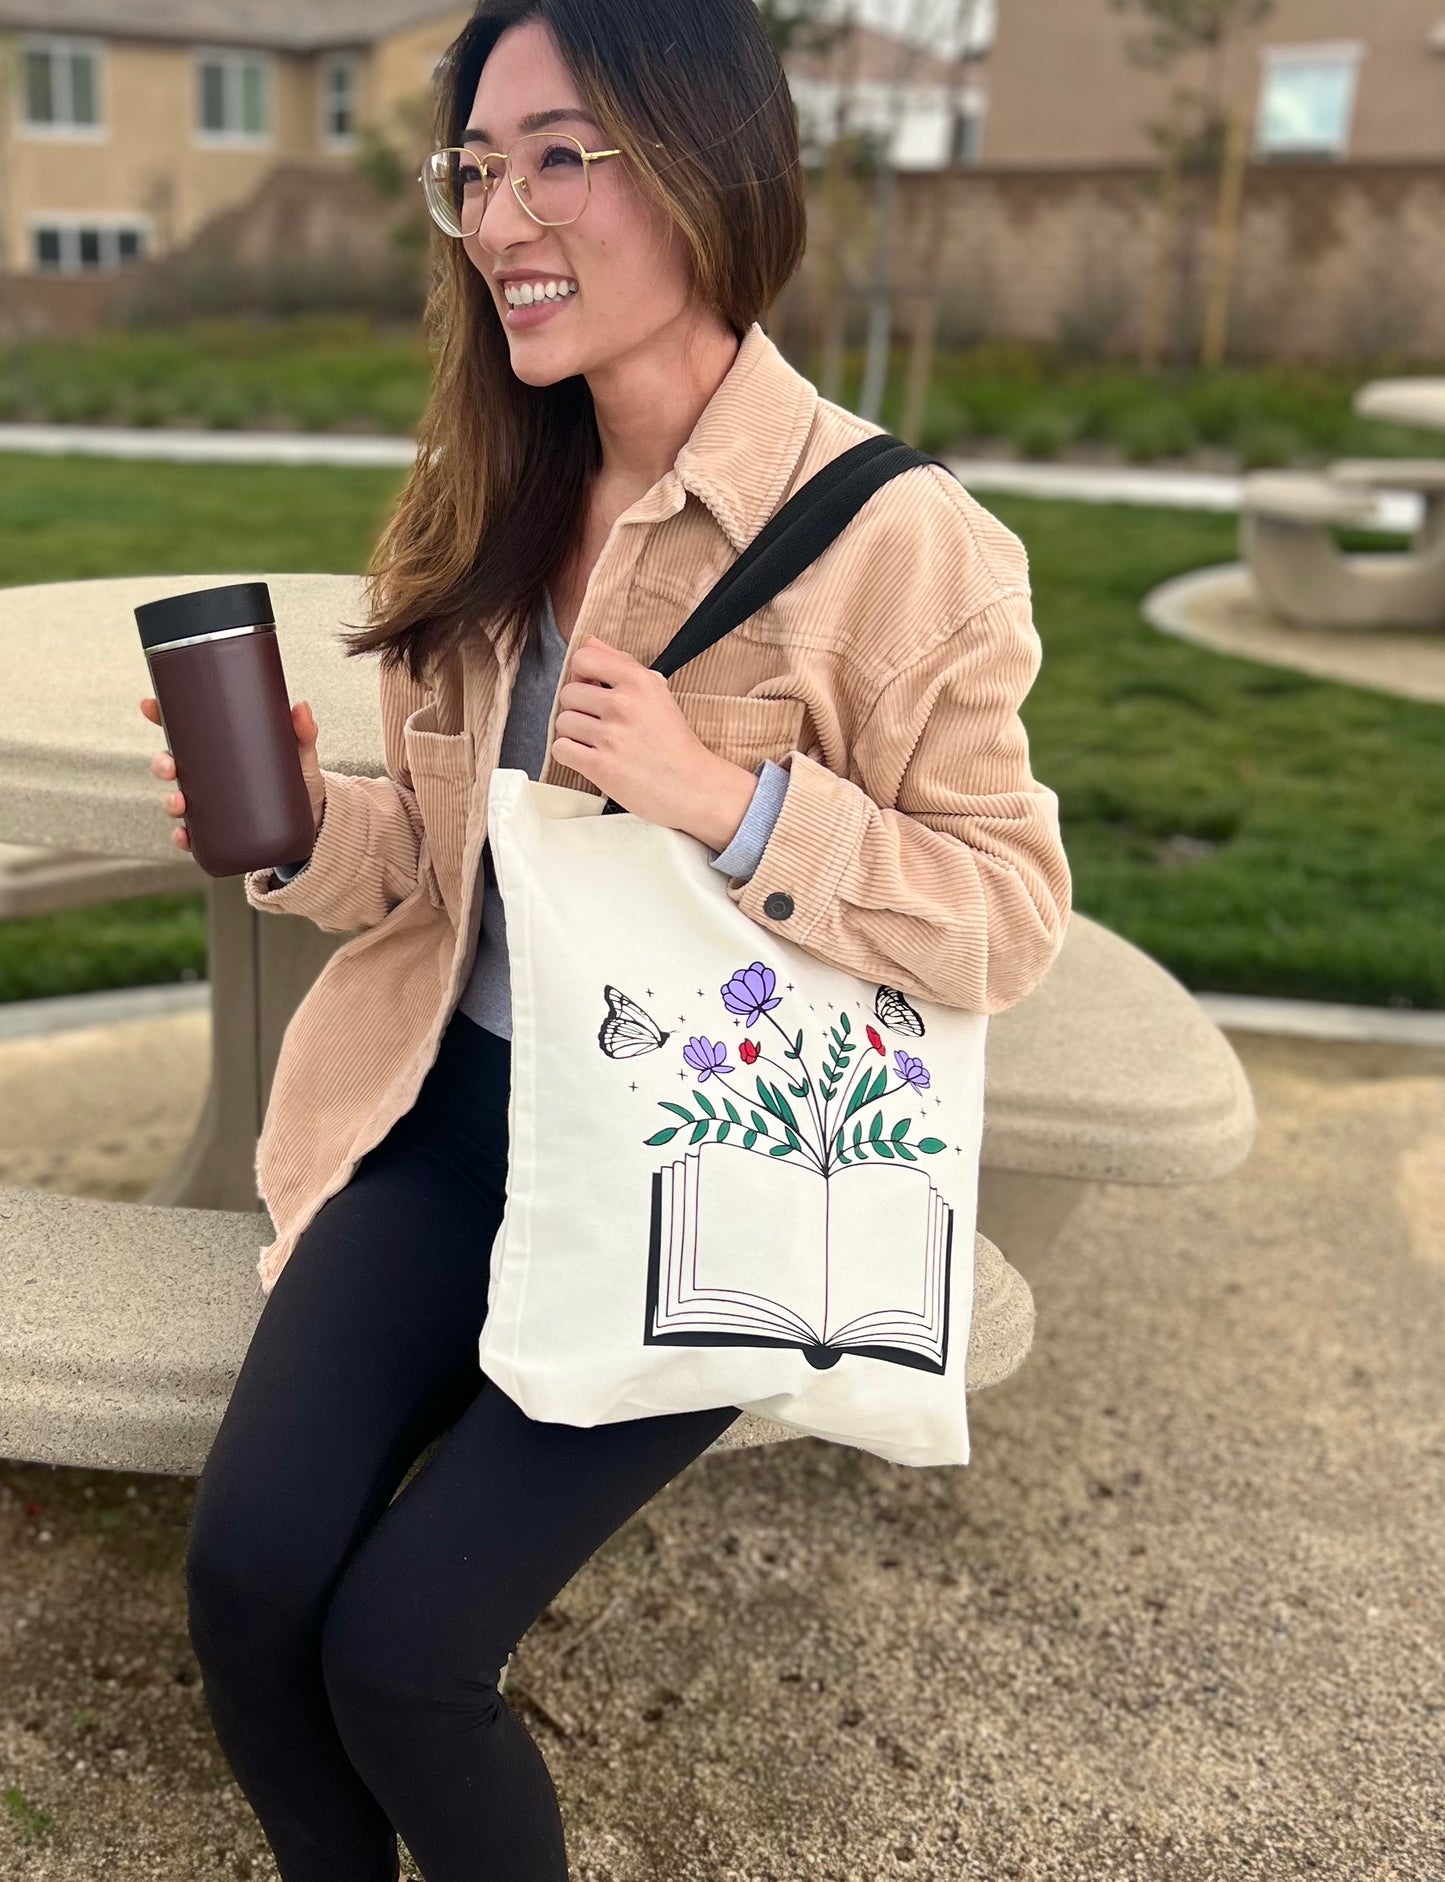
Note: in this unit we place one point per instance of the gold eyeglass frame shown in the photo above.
(589, 157)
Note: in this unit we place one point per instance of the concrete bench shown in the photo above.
(1286, 525)
(126, 1324)
(38, 880)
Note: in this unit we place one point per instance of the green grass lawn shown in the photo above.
(1255, 830)
(324, 372)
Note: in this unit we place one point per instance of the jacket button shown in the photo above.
(777, 906)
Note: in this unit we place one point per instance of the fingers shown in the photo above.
(597, 659)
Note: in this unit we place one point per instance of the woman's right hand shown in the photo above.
(303, 721)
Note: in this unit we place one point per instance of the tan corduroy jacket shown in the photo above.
(914, 846)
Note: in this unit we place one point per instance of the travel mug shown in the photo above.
(215, 665)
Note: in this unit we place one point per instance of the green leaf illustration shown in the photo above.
(778, 1104)
(664, 1137)
(900, 1130)
(843, 1020)
(731, 1110)
(902, 1150)
(793, 1138)
(700, 1130)
(766, 1094)
(761, 1124)
(883, 1147)
(875, 1129)
(749, 1139)
(781, 1150)
(798, 1091)
(705, 1103)
(722, 1131)
(857, 1134)
(931, 1145)
(681, 1110)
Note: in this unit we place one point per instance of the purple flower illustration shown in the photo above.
(705, 1057)
(912, 1071)
(750, 991)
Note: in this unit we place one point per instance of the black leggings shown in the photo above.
(350, 1645)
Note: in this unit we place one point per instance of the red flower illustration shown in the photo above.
(875, 1041)
(748, 1051)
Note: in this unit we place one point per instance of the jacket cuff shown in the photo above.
(819, 827)
(316, 887)
(743, 854)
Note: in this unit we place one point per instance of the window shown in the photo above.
(60, 82)
(1307, 99)
(233, 98)
(968, 131)
(86, 244)
(340, 77)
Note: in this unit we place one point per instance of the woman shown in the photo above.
(610, 426)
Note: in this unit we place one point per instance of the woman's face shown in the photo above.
(625, 256)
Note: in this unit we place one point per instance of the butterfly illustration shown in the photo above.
(894, 1011)
(628, 1032)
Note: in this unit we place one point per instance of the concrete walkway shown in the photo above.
(1078, 483)
(1181, 1617)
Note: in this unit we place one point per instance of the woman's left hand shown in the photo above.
(619, 726)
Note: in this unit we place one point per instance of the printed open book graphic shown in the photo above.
(805, 1270)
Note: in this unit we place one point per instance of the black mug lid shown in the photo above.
(205, 611)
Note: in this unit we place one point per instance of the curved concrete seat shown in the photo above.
(1285, 524)
(38, 880)
(1426, 474)
(125, 1326)
(1305, 498)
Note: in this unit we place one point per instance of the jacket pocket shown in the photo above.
(743, 729)
(443, 769)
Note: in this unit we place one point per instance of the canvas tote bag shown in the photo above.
(736, 1175)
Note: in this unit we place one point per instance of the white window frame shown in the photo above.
(68, 131)
(232, 59)
(69, 224)
(1349, 53)
(346, 62)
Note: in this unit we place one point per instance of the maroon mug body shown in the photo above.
(215, 665)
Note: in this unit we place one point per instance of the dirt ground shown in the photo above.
(1180, 1620)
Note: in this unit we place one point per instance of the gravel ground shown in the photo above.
(1180, 1618)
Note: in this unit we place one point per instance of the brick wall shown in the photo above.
(1335, 261)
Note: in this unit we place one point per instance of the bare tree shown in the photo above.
(1203, 136)
(924, 24)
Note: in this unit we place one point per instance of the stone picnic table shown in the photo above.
(130, 1320)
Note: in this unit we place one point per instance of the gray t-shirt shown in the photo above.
(486, 998)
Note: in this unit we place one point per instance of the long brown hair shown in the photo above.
(496, 499)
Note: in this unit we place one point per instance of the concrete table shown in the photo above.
(1110, 1071)
(75, 775)
(1404, 402)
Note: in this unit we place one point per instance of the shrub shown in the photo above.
(1155, 431)
(1045, 430)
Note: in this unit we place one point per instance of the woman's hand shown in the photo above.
(619, 726)
(303, 722)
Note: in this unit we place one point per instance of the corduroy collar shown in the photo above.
(745, 447)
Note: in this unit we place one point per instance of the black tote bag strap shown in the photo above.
(811, 519)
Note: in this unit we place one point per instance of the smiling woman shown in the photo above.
(653, 164)
(618, 200)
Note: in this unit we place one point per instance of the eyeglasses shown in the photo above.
(550, 174)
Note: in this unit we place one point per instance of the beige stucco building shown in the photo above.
(126, 124)
(1353, 81)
